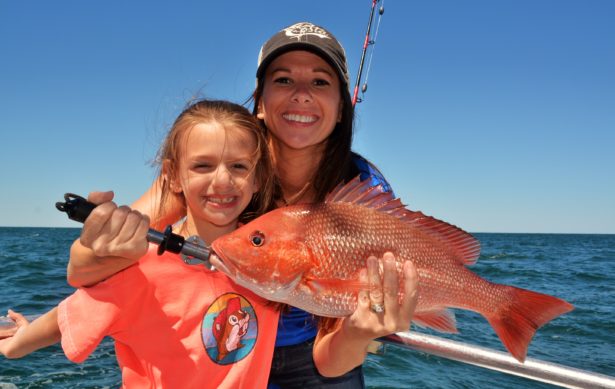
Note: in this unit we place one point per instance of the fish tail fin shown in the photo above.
(516, 322)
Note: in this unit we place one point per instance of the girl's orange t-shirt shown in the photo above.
(174, 325)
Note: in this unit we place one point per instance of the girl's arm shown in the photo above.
(344, 348)
(113, 238)
(42, 332)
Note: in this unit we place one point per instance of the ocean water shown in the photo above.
(577, 268)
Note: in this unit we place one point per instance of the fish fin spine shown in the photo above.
(465, 246)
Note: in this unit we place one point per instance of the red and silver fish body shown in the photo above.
(309, 256)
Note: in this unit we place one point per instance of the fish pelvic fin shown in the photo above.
(516, 323)
(465, 247)
(442, 320)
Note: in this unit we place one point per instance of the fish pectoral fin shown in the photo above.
(442, 320)
(321, 286)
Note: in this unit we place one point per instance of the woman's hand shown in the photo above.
(112, 231)
(379, 311)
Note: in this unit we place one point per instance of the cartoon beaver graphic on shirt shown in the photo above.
(229, 327)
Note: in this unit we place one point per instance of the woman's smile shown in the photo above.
(301, 101)
(300, 118)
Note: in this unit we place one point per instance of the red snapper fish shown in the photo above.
(310, 255)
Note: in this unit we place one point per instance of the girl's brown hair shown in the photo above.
(228, 115)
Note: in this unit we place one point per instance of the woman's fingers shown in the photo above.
(411, 293)
(397, 313)
(390, 285)
(363, 302)
(376, 296)
(380, 311)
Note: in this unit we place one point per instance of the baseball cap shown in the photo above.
(309, 37)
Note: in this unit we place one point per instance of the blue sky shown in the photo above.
(496, 116)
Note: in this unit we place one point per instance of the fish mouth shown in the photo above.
(217, 261)
(231, 271)
(270, 290)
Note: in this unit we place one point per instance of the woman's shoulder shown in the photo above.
(367, 170)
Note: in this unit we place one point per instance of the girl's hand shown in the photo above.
(114, 231)
(379, 311)
(18, 319)
(8, 336)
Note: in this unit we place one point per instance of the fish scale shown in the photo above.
(310, 255)
(355, 241)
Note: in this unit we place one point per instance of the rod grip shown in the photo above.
(76, 207)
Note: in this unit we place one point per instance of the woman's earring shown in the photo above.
(259, 112)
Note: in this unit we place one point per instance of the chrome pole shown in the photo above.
(533, 369)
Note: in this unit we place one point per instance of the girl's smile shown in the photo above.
(222, 202)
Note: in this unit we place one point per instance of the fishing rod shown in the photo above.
(192, 250)
(368, 41)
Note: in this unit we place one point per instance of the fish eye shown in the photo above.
(257, 238)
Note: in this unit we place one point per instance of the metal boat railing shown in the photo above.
(533, 369)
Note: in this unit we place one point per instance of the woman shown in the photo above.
(303, 99)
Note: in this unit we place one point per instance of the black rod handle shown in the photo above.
(78, 209)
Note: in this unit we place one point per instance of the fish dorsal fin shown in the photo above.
(363, 193)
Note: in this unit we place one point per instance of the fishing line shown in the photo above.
(371, 54)
(369, 41)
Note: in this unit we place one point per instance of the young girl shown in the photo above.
(177, 325)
